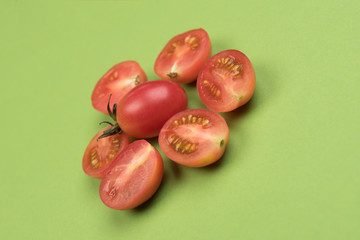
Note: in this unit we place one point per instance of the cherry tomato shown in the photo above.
(133, 177)
(118, 81)
(143, 111)
(99, 153)
(227, 81)
(194, 137)
(183, 56)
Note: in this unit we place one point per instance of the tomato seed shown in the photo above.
(181, 145)
(190, 119)
(192, 42)
(213, 89)
(230, 66)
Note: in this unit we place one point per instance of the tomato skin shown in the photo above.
(133, 177)
(183, 56)
(226, 81)
(117, 81)
(145, 109)
(194, 137)
(100, 153)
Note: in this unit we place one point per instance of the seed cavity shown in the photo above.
(229, 66)
(181, 145)
(94, 159)
(115, 145)
(173, 47)
(192, 42)
(190, 119)
(114, 75)
(212, 88)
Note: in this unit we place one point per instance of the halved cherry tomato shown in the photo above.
(118, 81)
(133, 177)
(143, 111)
(99, 153)
(194, 137)
(227, 81)
(183, 56)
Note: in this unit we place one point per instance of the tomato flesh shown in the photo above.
(133, 177)
(227, 81)
(100, 153)
(118, 81)
(194, 137)
(145, 109)
(183, 56)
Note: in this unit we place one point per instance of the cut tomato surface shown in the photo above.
(194, 137)
(227, 81)
(133, 177)
(118, 81)
(100, 153)
(183, 56)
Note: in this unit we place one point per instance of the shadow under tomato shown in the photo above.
(232, 117)
(176, 170)
(153, 141)
(216, 165)
(191, 85)
(143, 207)
(94, 183)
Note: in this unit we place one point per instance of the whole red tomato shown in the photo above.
(143, 111)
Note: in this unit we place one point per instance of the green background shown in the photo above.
(291, 169)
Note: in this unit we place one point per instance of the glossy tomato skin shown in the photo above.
(117, 81)
(145, 109)
(194, 137)
(100, 153)
(133, 177)
(183, 56)
(227, 81)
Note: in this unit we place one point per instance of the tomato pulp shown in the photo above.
(194, 137)
(133, 177)
(227, 81)
(99, 153)
(118, 81)
(183, 56)
(143, 111)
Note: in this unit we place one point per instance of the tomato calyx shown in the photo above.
(115, 128)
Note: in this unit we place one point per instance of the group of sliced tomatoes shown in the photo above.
(131, 169)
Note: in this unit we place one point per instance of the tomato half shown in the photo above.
(183, 56)
(99, 153)
(143, 111)
(133, 177)
(194, 137)
(227, 81)
(118, 81)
